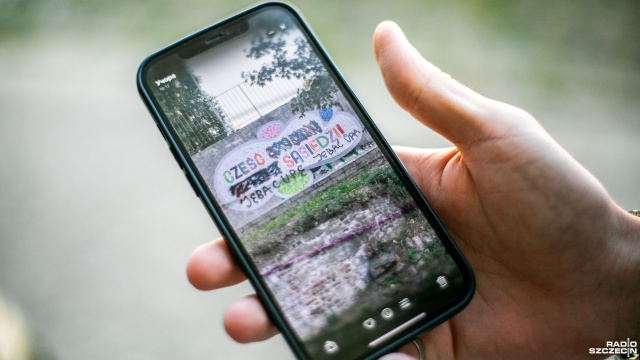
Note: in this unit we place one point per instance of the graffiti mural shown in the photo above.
(279, 160)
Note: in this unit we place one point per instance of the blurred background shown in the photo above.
(96, 219)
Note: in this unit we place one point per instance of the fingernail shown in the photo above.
(396, 356)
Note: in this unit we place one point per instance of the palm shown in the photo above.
(528, 217)
(487, 200)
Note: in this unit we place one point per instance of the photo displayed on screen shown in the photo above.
(342, 246)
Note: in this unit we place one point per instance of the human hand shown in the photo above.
(555, 259)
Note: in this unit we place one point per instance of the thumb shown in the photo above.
(431, 96)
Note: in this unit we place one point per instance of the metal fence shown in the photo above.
(245, 103)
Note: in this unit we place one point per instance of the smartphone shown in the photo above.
(345, 254)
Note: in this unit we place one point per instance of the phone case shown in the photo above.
(230, 235)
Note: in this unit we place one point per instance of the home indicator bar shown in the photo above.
(397, 330)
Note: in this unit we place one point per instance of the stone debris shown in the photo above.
(316, 290)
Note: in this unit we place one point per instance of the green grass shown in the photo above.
(335, 201)
(404, 234)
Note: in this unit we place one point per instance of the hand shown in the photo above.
(555, 259)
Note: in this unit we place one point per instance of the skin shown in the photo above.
(555, 259)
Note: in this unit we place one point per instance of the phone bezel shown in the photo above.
(227, 231)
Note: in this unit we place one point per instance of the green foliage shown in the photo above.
(404, 234)
(319, 90)
(394, 280)
(364, 310)
(387, 182)
(198, 120)
(333, 319)
(337, 200)
(304, 221)
(271, 225)
(411, 256)
(385, 248)
(332, 202)
(434, 249)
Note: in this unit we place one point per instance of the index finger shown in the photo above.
(211, 266)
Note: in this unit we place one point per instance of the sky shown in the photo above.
(220, 67)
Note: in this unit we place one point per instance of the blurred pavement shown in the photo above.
(96, 219)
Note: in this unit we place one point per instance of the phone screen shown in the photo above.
(297, 171)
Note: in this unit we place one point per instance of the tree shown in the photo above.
(319, 90)
(197, 119)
